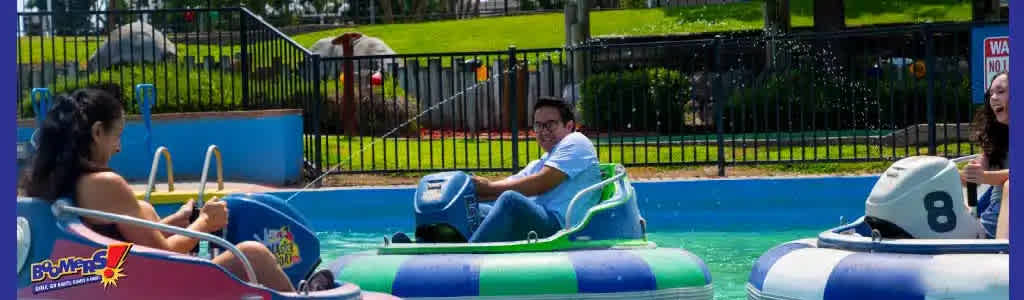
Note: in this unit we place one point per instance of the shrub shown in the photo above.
(630, 4)
(637, 100)
(814, 99)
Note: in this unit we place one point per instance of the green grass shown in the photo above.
(741, 137)
(35, 49)
(384, 154)
(860, 13)
(546, 30)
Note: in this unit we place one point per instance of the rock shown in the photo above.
(132, 43)
(361, 46)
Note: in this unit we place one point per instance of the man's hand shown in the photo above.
(483, 186)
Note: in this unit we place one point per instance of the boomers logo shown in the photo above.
(103, 266)
(282, 243)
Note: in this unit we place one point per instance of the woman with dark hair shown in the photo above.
(81, 133)
(992, 133)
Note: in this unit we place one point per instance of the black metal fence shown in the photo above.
(861, 95)
(435, 111)
(872, 94)
(199, 60)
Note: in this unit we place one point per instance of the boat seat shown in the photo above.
(607, 171)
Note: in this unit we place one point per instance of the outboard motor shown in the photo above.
(446, 208)
(921, 197)
(271, 221)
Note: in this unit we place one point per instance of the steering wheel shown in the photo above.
(214, 249)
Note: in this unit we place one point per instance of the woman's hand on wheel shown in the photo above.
(181, 217)
(214, 215)
(973, 172)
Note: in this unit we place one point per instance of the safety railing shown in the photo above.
(61, 207)
(620, 175)
(211, 151)
(151, 185)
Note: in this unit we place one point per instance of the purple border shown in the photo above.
(7, 80)
(8, 111)
(1016, 159)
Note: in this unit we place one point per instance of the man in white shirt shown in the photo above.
(536, 198)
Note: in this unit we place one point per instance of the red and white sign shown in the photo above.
(997, 57)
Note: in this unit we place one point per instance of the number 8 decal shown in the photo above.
(941, 217)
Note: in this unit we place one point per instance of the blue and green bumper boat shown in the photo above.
(603, 253)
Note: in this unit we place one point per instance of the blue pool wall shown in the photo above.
(263, 147)
(744, 204)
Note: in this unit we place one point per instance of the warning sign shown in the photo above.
(990, 54)
(997, 57)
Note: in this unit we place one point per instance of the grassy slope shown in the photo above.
(546, 30)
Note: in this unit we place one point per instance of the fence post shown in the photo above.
(318, 160)
(929, 66)
(717, 100)
(512, 85)
(244, 57)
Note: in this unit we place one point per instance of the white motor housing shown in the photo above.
(922, 195)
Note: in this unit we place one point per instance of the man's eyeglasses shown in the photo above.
(546, 126)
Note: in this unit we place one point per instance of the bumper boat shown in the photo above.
(603, 253)
(917, 240)
(61, 258)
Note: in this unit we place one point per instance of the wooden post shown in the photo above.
(348, 107)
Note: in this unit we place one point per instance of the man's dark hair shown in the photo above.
(564, 109)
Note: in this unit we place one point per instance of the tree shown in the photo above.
(985, 10)
(776, 16)
(389, 17)
(776, 22)
(67, 24)
(829, 15)
(419, 8)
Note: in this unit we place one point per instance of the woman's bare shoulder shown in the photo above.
(105, 190)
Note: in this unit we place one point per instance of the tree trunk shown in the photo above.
(776, 22)
(401, 8)
(420, 7)
(389, 16)
(829, 15)
(776, 16)
(985, 10)
(476, 8)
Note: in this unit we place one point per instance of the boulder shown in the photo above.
(132, 43)
(361, 46)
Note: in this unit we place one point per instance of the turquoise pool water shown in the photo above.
(729, 255)
(729, 223)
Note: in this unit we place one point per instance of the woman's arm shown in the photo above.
(995, 178)
(1003, 225)
(119, 198)
(177, 219)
